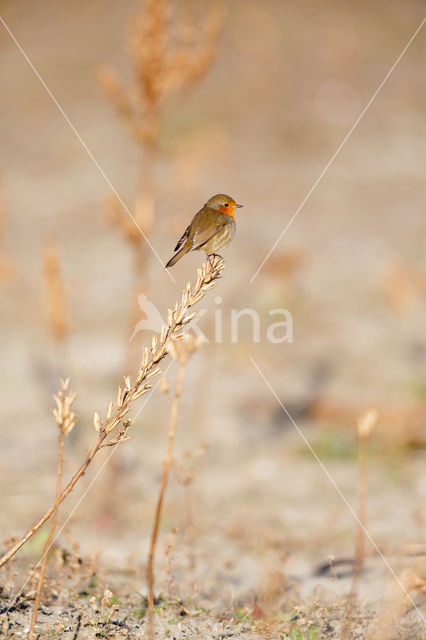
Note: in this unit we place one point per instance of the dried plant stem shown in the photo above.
(171, 51)
(55, 292)
(361, 510)
(364, 427)
(65, 419)
(115, 427)
(164, 479)
(171, 47)
(48, 543)
(360, 536)
(70, 486)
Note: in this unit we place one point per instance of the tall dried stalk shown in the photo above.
(181, 352)
(65, 419)
(170, 51)
(55, 292)
(115, 427)
(364, 427)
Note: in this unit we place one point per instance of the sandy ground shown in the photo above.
(242, 543)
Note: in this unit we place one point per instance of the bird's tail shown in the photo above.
(186, 247)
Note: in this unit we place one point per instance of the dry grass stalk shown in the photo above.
(169, 53)
(398, 424)
(364, 428)
(65, 419)
(170, 49)
(114, 428)
(55, 292)
(181, 350)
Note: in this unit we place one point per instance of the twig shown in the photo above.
(49, 538)
(65, 419)
(77, 629)
(115, 422)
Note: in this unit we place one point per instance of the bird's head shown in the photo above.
(223, 203)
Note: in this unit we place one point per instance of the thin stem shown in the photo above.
(362, 500)
(48, 543)
(178, 318)
(70, 486)
(166, 467)
(359, 553)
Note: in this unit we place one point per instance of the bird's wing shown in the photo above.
(201, 236)
(187, 233)
(183, 238)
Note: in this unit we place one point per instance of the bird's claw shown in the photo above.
(212, 256)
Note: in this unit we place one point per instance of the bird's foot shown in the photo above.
(212, 256)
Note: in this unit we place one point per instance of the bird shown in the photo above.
(211, 229)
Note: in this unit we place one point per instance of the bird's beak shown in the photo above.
(238, 206)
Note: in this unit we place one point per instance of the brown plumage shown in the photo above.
(211, 229)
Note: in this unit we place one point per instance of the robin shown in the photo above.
(212, 228)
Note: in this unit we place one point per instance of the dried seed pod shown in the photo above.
(64, 416)
(97, 421)
(366, 423)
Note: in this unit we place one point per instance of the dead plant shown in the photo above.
(171, 49)
(65, 419)
(364, 427)
(55, 292)
(181, 351)
(114, 428)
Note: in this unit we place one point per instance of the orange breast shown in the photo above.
(229, 210)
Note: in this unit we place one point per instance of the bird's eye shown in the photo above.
(226, 204)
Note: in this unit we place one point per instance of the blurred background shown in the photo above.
(254, 102)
